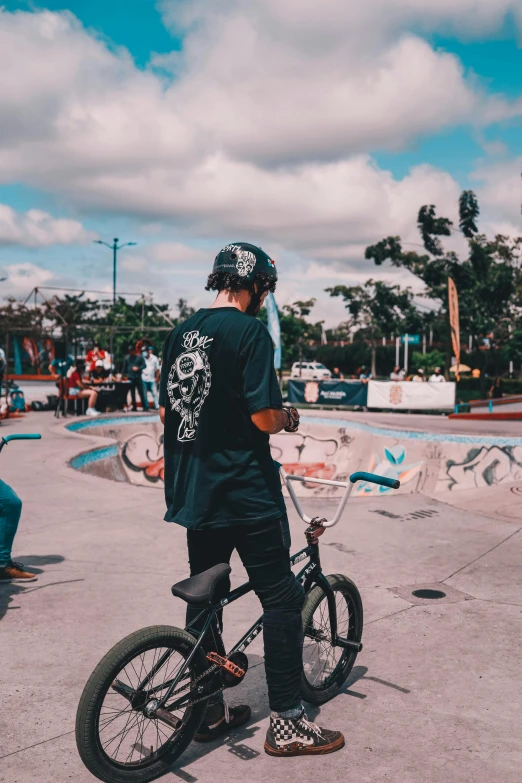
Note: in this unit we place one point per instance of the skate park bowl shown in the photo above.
(330, 446)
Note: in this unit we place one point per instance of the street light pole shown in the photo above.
(114, 247)
(114, 259)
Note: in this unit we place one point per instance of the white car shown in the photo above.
(310, 370)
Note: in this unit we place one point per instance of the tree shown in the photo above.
(488, 281)
(379, 309)
(427, 361)
(184, 310)
(468, 211)
(296, 331)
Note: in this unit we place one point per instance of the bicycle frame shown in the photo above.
(311, 574)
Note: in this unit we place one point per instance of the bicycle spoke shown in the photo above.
(127, 735)
(321, 659)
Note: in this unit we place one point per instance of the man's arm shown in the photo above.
(270, 420)
(162, 414)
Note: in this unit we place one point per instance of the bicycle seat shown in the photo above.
(203, 588)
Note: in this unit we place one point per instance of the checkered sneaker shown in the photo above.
(299, 736)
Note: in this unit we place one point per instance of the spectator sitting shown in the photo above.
(337, 374)
(77, 388)
(397, 374)
(419, 377)
(364, 375)
(437, 376)
(99, 373)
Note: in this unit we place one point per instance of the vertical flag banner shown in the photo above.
(274, 328)
(453, 308)
(17, 357)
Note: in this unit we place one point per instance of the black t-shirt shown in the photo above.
(218, 369)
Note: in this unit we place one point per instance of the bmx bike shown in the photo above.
(145, 700)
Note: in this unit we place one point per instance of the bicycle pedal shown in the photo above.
(226, 664)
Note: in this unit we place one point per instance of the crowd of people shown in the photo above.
(399, 374)
(419, 376)
(83, 377)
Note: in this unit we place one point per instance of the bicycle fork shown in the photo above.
(337, 641)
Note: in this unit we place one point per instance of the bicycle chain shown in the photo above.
(206, 673)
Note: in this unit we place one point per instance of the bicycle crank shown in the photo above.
(233, 668)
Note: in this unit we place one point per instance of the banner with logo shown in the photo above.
(407, 395)
(327, 392)
(453, 309)
(274, 328)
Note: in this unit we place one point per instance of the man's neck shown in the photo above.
(237, 299)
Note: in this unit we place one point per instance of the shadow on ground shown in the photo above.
(9, 590)
(235, 741)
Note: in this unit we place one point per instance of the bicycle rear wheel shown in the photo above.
(116, 740)
(326, 667)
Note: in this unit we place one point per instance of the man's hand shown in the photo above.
(162, 414)
(270, 420)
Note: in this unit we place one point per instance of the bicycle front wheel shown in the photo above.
(116, 740)
(326, 667)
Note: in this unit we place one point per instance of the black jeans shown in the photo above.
(136, 383)
(264, 550)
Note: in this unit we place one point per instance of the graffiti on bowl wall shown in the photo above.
(143, 453)
(305, 455)
(485, 466)
(392, 466)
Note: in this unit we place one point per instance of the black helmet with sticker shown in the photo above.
(244, 260)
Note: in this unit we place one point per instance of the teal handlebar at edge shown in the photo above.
(375, 479)
(32, 436)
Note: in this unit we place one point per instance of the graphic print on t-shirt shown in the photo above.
(189, 383)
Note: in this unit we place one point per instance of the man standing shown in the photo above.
(150, 375)
(219, 401)
(437, 376)
(337, 374)
(133, 366)
(2, 368)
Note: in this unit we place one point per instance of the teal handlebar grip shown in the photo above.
(361, 475)
(29, 436)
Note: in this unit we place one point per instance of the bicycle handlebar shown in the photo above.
(29, 436)
(373, 478)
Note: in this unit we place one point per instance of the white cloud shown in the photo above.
(82, 120)
(39, 229)
(319, 25)
(178, 254)
(262, 134)
(499, 189)
(21, 278)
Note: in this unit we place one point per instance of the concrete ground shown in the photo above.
(434, 697)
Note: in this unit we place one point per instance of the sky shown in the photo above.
(311, 129)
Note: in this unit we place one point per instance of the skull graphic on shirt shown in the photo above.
(188, 386)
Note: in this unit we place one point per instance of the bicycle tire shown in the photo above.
(97, 687)
(312, 692)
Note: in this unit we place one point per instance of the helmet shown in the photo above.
(245, 260)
